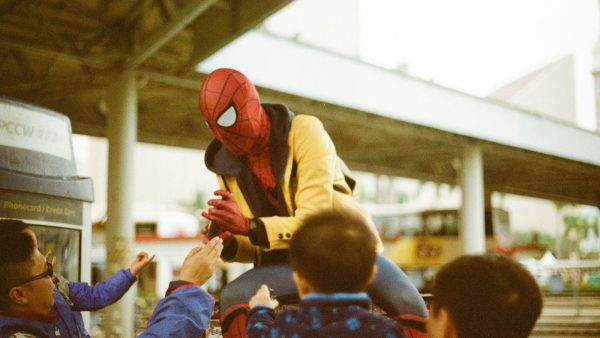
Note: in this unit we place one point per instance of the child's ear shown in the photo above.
(17, 295)
(373, 274)
(301, 285)
(445, 324)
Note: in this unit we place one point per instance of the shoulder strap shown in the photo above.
(62, 285)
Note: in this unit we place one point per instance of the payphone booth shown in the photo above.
(40, 186)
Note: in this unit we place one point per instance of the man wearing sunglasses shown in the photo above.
(31, 306)
(27, 283)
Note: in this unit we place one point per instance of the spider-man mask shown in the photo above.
(232, 110)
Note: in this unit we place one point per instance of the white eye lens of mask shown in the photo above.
(227, 119)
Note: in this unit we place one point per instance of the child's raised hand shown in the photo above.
(141, 261)
(50, 258)
(263, 297)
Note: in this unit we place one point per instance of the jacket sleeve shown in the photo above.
(316, 168)
(110, 290)
(185, 312)
(261, 320)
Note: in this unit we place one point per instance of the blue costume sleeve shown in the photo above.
(185, 312)
(110, 290)
(260, 321)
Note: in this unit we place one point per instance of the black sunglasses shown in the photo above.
(48, 273)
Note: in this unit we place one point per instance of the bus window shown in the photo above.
(434, 225)
(420, 241)
(451, 223)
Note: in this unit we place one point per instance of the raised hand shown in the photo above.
(141, 261)
(199, 264)
(50, 258)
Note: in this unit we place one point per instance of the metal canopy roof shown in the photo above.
(63, 54)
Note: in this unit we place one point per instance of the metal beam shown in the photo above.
(79, 82)
(175, 81)
(160, 38)
(222, 24)
(51, 53)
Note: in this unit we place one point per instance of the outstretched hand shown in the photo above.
(141, 261)
(226, 214)
(263, 297)
(199, 264)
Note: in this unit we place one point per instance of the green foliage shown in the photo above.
(197, 203)
(402, 197)
(575, 229)
(363, 196)
(526, 238)
(580, 224)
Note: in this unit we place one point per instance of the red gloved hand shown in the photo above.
(226, 214)
(227, 238)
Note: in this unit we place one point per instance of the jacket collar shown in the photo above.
(336, 300)
(222, 162)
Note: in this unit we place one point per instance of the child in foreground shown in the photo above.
(333, 260)
(484, 296)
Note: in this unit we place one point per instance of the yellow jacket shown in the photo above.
(318, 183)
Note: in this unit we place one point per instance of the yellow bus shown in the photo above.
(419, 241)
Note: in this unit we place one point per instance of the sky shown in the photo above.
(474, 46)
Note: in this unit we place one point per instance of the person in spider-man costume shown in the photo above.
(274, 168)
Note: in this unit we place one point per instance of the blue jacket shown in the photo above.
(69, 299)
(185, 312)
(77, 296)
(323, 315)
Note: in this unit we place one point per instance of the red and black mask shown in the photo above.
(233, 113)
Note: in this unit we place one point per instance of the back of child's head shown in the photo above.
(334, 251)
(488, 296)
(17, 248)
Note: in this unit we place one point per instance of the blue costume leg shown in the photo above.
(393, 292)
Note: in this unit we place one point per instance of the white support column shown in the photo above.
(472, 230)
(596, 74)
(120, 229)
(385, 189)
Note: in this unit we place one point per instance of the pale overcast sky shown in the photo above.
(474, 46)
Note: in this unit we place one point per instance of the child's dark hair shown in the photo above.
(16, 252)
(334, 251)
(488, 296)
